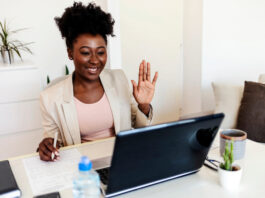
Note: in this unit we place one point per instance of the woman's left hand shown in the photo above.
(144, 91)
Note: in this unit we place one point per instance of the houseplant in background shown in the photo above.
(229, 174)
(66, 73)
(9, 46)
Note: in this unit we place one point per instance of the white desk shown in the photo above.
(202, 184)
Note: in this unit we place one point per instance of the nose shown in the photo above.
(94, 59)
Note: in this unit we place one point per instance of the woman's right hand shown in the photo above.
(46, 149)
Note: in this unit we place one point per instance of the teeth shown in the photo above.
(92, 69)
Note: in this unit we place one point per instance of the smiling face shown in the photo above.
(89, 53)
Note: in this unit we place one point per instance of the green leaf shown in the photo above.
(2, 27)
(2, 37)
(66, 70)
(13, 45)
(9, 56)
(232, 152)
(222, 166)
(228, 155)
(26, 49)
(17, 51)
(18, 30)
(226, 147)
(5, 25)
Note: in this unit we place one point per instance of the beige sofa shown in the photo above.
(227, 99)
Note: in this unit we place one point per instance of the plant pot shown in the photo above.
(230, 180)
(7, 57)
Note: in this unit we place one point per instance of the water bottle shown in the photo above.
(86, 183)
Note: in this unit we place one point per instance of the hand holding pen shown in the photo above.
(48, 149)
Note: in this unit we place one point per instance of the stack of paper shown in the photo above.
(45, 177)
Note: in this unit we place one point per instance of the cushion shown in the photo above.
(262, 78)
(227, 100)
(251, 115)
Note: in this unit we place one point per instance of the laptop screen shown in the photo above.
(160, 152)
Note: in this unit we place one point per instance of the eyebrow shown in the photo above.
(90, 47)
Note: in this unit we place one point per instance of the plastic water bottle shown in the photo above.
(86, 183)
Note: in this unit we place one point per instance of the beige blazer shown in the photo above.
(59, 111)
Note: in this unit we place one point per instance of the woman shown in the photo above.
(93, 102)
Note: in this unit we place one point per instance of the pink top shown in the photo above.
(95, 120)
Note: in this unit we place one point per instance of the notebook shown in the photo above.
(8, 184)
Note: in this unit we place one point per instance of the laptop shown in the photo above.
(154, 154)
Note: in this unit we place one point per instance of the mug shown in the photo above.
(239, 137)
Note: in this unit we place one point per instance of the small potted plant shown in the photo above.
(66, 73)
(229, 174)
(8, 46)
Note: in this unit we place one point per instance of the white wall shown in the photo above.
(151, 30)
(114, 43)
(192, 47)
(20, 129)
(233, 43)
(20, 119)
(49, 48)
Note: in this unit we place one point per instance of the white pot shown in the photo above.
(5, 57)
(230, 180)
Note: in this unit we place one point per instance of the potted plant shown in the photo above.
(229, 174)
(9, 47)
(66, 73)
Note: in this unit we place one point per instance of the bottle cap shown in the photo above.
(85, 164)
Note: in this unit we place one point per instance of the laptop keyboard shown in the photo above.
(104, 175)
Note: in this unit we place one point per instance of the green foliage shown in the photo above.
(228, 156)
(66, 70)
(11, 46)
(66, 73)
(48, 80)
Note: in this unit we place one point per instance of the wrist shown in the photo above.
(145, 108)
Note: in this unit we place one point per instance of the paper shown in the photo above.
(45, 177)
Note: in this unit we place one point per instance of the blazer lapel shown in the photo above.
(69, 110)
(112, 97)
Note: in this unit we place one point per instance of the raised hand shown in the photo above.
(143, 92)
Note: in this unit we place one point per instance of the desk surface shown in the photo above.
(205, 183)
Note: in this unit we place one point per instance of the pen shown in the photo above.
(54, 143)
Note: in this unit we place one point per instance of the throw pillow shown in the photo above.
(227, 100)
(262, 78)
(251, 116)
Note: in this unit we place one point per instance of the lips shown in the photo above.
(92, 70)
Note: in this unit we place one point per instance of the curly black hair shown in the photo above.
(79, 19)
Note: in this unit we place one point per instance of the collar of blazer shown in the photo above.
(69, 108)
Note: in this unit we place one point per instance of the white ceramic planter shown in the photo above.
(230, 180)
(5, 57)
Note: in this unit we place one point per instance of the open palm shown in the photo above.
(143, 92)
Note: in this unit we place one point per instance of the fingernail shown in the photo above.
(57, 153)
(52, 156)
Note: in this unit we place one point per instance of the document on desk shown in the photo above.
(45, 177)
